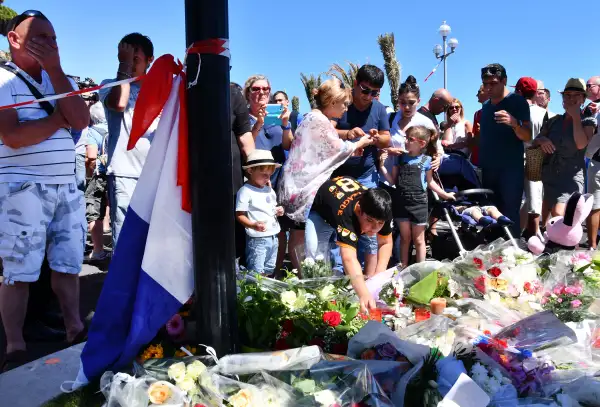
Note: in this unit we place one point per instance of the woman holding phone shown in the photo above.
(276, 137)
(317, 151)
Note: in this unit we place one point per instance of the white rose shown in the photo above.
(308, 262)
(195, 369)
(176, 371)
(326, 398)
(327, 292)
(301, 301)
(188, 385)
(288, 298)
(320, 257)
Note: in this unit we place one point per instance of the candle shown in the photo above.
(421, 314)
(438, 305)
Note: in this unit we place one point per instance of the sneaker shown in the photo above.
(99, 256)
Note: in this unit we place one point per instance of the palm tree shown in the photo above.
(347, 77)
(310, 83)
(392, 67)
(6, 14)
(295, 104)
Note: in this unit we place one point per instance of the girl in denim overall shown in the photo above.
(411, 176)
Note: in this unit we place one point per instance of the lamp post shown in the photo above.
(441, 51)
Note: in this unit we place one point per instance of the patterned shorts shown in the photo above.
(35, 218)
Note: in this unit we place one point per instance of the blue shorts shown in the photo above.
(39, 218)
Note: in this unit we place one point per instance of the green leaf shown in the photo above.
(351, 312)
(423, 291)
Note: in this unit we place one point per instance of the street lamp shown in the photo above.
(441, 51)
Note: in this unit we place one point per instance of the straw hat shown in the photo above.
(260, 157)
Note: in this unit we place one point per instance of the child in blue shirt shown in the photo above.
(412, 175)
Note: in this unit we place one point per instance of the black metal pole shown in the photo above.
(211, 177)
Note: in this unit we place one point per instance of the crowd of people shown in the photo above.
(348, 174)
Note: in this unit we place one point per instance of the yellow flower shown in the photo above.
(195, 369)
(288, 298)
(159, 392)
(188, 385)
(153, 352)
(242, 398)
(182, 354)
(177, 371)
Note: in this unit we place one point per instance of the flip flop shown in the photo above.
(13, 360)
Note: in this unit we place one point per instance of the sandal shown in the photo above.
(13, 360)
(80, 337)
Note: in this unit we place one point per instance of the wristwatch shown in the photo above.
(288, 127)
(519, 123)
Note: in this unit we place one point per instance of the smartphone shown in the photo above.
(273, 112)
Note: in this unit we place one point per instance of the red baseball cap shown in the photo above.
(526, 85)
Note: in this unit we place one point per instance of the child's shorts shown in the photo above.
(412, 208)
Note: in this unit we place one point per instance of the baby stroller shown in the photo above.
(454, 235)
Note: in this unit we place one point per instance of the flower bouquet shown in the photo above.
(436, 332)
(317, 266)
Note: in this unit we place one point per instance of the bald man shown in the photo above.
(41, 209)
(593, 171)
(437, 104)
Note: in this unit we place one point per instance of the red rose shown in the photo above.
(494, 272)
(480, 284)
(332, 318)
(281, 344)
(317, 342)
(478, 263)
(339, 348)
(288, 325)
(285, 334)
(527, 287)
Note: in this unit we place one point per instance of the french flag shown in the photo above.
(151, 275)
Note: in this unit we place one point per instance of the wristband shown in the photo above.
(288, 127)
(124, 74)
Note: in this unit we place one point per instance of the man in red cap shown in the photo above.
(531, 210)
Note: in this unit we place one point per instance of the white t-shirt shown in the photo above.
(53, 160)
(459, 135)
(537, 120)
(259, 204)
(121, 162)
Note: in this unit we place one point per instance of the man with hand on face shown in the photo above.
(365, 116)
(135, 53)
(41, 210)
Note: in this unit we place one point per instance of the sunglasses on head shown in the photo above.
(492, 71)
(24, 16)
(368, 91)
(259, 89)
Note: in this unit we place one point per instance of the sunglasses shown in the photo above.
(369, 91)
(24, 16)
(412, 139)
(590, 85)
(260, 89)
(453, 107)
(492, 71)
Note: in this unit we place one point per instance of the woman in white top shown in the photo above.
(402, 120)
(459, 135)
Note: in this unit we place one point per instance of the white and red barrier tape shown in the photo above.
(218, 46)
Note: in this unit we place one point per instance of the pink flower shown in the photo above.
(578, 290)
(558, 290)
(582, 256)
(175, 326)
(559, 300)
(575, 303)
(570, 290)
(544, 300)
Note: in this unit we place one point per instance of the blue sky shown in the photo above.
(281, 39)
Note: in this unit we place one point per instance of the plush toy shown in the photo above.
(564, 232)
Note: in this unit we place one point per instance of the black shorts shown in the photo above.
(96, 198)
(287, 224)
(412, 208)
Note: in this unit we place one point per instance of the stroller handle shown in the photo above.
(475, 191)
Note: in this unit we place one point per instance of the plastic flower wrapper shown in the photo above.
(261, 391)
(583, 389)
(436, 332)
(410, 276)
(159, 368)
(318, 266)
(343, 383)
(123, 390)
(498, 386)
(537, 332)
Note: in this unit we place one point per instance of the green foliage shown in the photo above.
(347, 77)
(6, 13)
(392, 67)
(295, 104)
(310, 83)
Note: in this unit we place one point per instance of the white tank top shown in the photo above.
(459, 135)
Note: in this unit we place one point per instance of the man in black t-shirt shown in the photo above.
(437, 104)
(345, 207)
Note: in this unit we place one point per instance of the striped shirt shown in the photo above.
(53, 160)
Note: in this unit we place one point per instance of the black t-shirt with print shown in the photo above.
(427, 113)
(335, 202)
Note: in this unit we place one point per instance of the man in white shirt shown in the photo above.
(531, 210)
(41, 210)
(124, 167)
(593, 153)
(542, 98)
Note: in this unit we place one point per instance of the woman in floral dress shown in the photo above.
(316, 152)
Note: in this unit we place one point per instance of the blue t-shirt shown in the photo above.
(499, 146)
(96, 139)
(374, 117)
(405, 158)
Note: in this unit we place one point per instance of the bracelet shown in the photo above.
(124, 74)
(125, 63)
(288, 127)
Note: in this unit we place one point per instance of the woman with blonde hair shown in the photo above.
(459, 135)
(316, 152)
